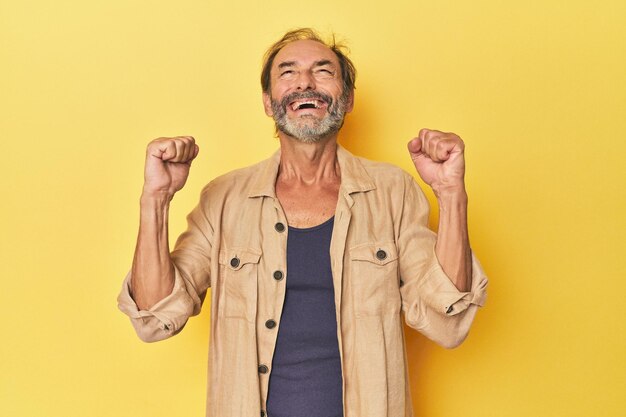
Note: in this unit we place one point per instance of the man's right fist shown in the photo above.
(167, 165)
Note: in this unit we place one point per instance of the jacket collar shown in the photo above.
(354, 177)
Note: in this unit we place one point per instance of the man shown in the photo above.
(311, 256)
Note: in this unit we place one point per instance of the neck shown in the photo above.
(308, 163)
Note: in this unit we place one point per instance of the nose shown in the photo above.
(305, 81)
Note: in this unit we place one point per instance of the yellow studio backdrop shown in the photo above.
(537, 90)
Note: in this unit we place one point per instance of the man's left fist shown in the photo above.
(438, 158)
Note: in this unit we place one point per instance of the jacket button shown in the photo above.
(263, 369)
(270, 324)
(279, 227)
(234, 262)
(278, 275)
(381, 254)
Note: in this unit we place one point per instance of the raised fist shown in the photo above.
(439, 159)
(167, 164)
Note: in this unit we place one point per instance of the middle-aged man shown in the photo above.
(312, 256)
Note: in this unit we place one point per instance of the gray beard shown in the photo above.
(308, 128)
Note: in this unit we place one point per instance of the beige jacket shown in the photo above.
(383, 265)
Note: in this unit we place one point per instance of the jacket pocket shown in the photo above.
(238, 278)
(374, 274)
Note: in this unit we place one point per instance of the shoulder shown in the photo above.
(386, 190)
(382, 169)
(236, 184)
(384, 174)
(239, 177)
(387, 182)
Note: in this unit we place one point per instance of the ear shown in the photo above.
(267, 105)
(350, 105)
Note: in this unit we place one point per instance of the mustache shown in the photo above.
(302, 95)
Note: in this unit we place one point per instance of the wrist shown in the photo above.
(155, 199)
(451, 191)
(452, 203)
(148, 194)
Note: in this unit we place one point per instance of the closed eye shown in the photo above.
(325, 73)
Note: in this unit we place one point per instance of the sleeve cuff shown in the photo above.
(444, 297)
(162, 320)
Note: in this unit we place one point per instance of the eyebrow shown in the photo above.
(286, 64)
(320, 63)
(323, 62)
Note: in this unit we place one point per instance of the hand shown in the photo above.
(167, 165)
(439, 159)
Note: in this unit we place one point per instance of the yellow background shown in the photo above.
(537, 89)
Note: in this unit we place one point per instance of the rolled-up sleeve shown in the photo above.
(430, 301)
(192, 259)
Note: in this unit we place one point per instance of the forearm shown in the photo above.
(452, 247)
(152, 277)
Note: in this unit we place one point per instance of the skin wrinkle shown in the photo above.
(315, 130)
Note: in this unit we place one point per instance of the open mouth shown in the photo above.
(307, 104)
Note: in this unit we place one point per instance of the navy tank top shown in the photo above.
(305, 380)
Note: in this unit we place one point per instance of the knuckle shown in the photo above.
(154, 142)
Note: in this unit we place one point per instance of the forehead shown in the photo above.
(305, 52)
